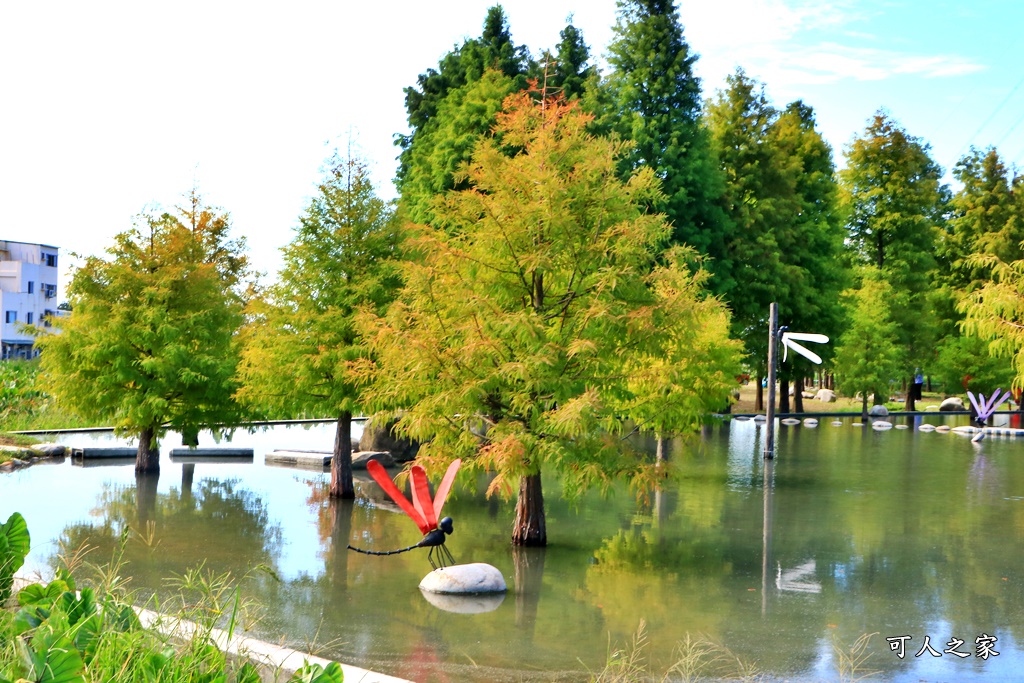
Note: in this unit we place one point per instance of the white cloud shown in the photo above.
(789, 43)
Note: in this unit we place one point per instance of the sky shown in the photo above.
(111, 109)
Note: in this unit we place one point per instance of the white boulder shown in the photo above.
(825, 396)
(477, 577)
(951, 403)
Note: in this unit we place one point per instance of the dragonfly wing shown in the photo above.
(380, 475)
(421, 496)
(974, 402)
(807, 336)
(805, 352)
(445, 486)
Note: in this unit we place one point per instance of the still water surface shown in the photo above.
(896, 533)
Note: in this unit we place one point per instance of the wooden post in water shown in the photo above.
(769, 418)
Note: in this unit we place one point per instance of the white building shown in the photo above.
(28, 293)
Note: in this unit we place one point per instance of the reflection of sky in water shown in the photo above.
(71, 499)
(746, 446)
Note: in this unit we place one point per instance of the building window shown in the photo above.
(28, 318)
(49, 291)
(51, 260)
(47, 314)
(11, 317)
(31, 287)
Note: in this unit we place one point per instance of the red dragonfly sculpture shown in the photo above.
(422, 510)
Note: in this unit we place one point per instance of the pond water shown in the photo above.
(850, 531)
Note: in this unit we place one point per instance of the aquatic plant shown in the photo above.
(14, 545)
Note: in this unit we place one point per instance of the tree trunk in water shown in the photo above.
(798, 395)
(783, 393)
(528, 568)
(759, 396)
(529, 528)
(145, 499)
(341, 533)
(864, 407)
(341, 463)
(147, 457)
(660, 452)
(188, 471)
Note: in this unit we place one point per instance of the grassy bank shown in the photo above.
(842, 404)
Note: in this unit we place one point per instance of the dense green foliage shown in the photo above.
(655, 102)
(895, 203)
(539, 306)
(150, 344)
(868, 355)
(452, 106)
(780, 197)
(301, 343)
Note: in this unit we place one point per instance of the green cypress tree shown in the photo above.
(984, 219)
(895, 203)
(781, 199)
(656, 103)
(548, 312)
(302, 347)
(428, 159)
(573, 69)
(868, 355)
(151, 342)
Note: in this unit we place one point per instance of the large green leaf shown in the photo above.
(16, 532)
(314, 673)
(52, 658)
(14, 545)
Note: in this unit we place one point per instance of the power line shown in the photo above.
(990, 117)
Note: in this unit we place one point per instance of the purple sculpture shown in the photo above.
(984, 408)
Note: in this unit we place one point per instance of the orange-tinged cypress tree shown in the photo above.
(530, 313)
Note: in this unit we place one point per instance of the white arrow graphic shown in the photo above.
(789, 340)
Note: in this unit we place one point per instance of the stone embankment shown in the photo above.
(16, 457)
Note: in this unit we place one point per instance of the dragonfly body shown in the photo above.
(423, 511)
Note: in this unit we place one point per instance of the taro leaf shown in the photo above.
(29, 618)
(87, 636)
(14, 545)
(52, 658)
(119, 616)
(16, 532)
(38, 594)
(63, 664)
(154, 665)
(314, 673)
(78, 607)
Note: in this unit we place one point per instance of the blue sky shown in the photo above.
(112, 107)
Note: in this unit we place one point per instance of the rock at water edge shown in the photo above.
(951, 403)
(463, 579)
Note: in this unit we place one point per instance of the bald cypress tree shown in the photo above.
(452, 106)
(895, 203)
(656, 103)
